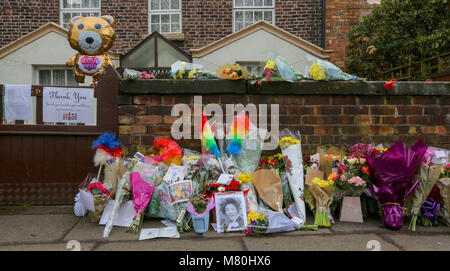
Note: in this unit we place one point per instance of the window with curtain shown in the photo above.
(72, 8)
(56, 77)
(165, 16)
(248, 12)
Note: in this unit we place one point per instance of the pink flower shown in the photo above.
(357, 181)
(343, 178)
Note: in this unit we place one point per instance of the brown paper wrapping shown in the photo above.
(323, 196)
(444, 187)
(268, 186)
(326, 164)
(427, 176)
(113, 174)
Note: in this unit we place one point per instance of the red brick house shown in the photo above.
(192, 24)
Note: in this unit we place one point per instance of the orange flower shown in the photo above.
(272, 161)
(333, 176)
(365, 169)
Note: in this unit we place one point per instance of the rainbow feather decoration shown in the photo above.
(238, 131)
(208, 141)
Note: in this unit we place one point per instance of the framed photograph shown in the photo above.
(231, 214)
(180, 191)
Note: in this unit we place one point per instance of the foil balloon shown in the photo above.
(92, 37)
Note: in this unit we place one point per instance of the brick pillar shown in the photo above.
(341, 15)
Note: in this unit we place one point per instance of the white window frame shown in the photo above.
(252, 8)
(63, 10)
(163, 12)
(51, 69)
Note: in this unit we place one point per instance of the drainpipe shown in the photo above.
(324, 3)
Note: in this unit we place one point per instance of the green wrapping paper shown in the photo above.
(427, 176)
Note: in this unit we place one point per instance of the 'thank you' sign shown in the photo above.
(68, 105)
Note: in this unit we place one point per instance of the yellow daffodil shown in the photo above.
(287, 140)
(270, 64)
(322, 183)
(245, 178)
(317, 72)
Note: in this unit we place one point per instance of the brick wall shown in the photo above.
(131, 18)
(341, 15)
(20, 17)
(332, 119)
(203, 22)
(301, 18)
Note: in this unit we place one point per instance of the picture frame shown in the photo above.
(231, 213)
(180, 191)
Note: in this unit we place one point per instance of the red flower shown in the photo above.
(429, 80)
(390, 84)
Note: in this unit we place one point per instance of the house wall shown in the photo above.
(49, 50)
(254, 47)
(203, 22)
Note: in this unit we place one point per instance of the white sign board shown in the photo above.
(68, 105)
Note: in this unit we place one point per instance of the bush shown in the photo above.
(396, 32)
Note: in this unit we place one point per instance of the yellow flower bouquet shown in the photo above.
(323, 193)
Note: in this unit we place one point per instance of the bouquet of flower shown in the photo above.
(123, 191)
(427, 175)
(324, 70)
(232, 72)
(429, 212)
(142, 193)
(444, 188)
(352, 176)
(292, 151)
(256, 223)
(278, 69)
(213, 188)
(184, 70)
(200, 205)
(101, 197)
(392, 173)
(323, 193)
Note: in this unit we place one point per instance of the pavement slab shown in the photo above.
(86, 230)
(35, 228)
(64, 246)
(191, 244)
(342, 242)
(420, 242)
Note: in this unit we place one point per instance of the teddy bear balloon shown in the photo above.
(92, 37)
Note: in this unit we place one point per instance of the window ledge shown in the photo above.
(174, 36)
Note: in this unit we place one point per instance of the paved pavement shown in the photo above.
(56, 228)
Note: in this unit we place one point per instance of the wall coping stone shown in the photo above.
(306, 87)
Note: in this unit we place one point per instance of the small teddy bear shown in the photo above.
(92, 37)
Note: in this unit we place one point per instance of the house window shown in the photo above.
(56, 77)
(72, 8)
(248, 12)
(254, 67)
(165, 16)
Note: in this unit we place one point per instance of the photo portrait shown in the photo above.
(231, 213)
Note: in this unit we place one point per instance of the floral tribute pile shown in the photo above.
(235, 188)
